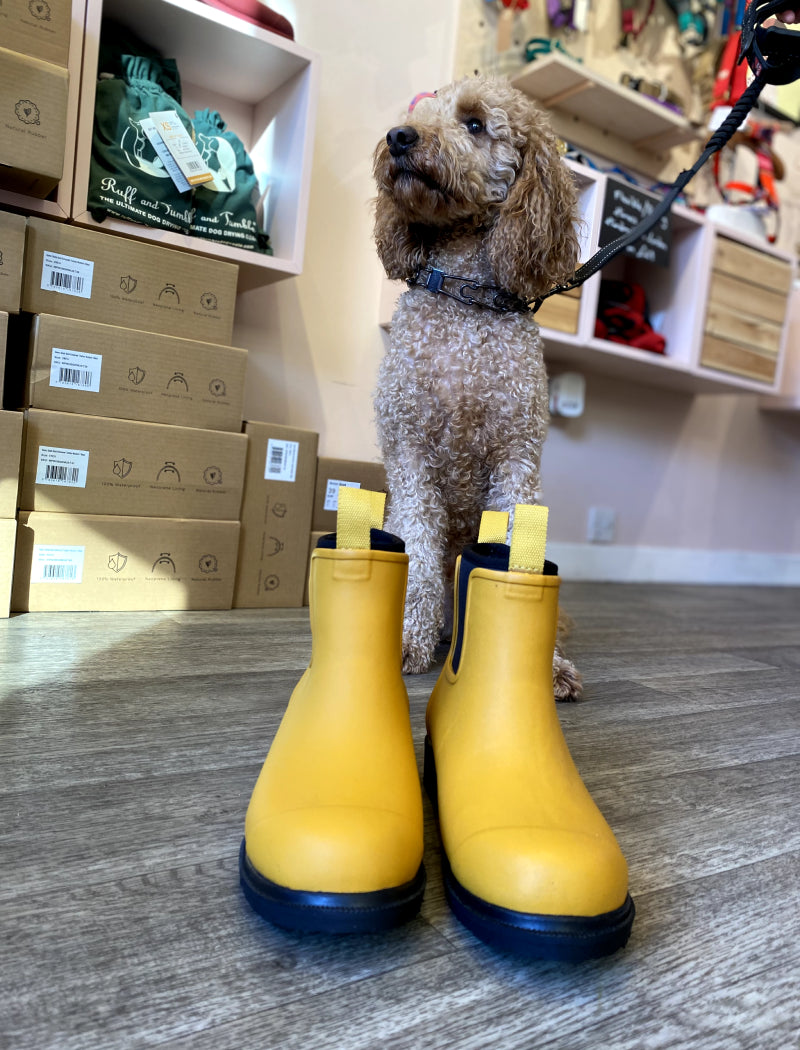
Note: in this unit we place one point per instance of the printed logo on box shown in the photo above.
(281, 464)
(52, 564)
(27, 111)
(67, 275)
(332, 492)
(75, 370)
(62, 466)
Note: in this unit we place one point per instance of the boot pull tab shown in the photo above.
(528, 539)
(359, 510)
(494, 527)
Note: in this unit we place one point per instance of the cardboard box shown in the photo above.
(91, 276)
(276, 516)
(331, 473)
(39, 28)
(12, 250)
(33, 123)
(315, 538)
(94, 465)
(8, 538)
(10, 458)
(98, 369)
(87, 563)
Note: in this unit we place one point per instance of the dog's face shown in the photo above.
(479, 156)
(457, 155)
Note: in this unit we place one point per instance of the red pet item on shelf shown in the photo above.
(257, 14)
(622, 317)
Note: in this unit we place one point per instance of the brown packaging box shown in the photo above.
(88, 563)
(12, 250)
(98, 369)
(94, 465)
(331, 473)
(39, 28)
(276, 516)
(8, 537)
(33, 123)
(91, 276)
(10, 456)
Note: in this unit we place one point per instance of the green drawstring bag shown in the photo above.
(127, 178)
(225, 209)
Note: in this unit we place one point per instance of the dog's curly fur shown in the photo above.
(461, 401)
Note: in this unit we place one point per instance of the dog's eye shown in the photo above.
(473, 125)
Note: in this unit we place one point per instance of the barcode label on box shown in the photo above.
(332, 492)
(53, 564)
(62, 466)
(67, 275)
(75, 370)
(281, 462)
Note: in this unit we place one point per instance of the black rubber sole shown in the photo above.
(330, 912)
(561, 938)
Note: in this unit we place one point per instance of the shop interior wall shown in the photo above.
(710, 472)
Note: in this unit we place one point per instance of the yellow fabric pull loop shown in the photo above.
(494, 526)
(528, 539)
(359, 510)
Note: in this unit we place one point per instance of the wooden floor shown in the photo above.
(130, 744)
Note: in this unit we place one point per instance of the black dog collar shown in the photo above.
(467, 291)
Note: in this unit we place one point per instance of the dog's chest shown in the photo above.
(460, 354)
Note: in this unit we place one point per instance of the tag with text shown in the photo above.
(332, 492)
(52, 564)
(281, 462)
(178, 141)
(67, 275)
(169, 162)
(75, 370)
(62, 466)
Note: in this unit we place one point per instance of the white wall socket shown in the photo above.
(601, 526)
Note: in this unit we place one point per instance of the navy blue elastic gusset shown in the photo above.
(492, 556)
(378, 541)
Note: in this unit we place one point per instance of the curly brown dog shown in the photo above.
(472, 185)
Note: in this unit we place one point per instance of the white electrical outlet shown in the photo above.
(601, 526)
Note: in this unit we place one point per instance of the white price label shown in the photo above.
(53, 564)
(178, 141)
(75, 370)
(67, 275)
(170, 165)
(62, 466)
(332, 492)
(281, 462)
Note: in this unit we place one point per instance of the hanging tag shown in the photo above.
(178, 141)
(169, 162)
(580, 15)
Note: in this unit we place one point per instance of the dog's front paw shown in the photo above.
(567, 681)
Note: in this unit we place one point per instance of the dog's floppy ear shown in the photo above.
(401, 246)
(533, 243)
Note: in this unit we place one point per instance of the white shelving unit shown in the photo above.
(677, 296)
(592, 111)
(265, 87)
(58, 204)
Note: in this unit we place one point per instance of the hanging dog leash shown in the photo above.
(773, 54)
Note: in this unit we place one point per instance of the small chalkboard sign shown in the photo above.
(623, 208)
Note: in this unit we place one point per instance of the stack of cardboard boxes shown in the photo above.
(12, 249)
(34, 47)
(133, 460)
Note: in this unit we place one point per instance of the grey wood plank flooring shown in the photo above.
(129, 745)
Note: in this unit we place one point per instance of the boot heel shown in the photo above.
(429, 776)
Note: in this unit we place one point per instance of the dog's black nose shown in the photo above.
(401, 140)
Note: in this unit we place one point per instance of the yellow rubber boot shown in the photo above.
(333, 833)
(530, 864)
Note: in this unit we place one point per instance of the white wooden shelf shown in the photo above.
(266, 89)
(57, 205)
(564, 84)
